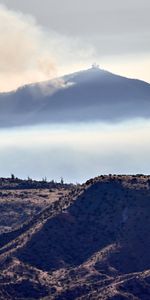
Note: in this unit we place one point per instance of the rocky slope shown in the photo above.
(92, 243)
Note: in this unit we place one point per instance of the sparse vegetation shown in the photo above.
(90, 242)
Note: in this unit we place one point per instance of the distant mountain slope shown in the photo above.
(91, 95)
(91, 244)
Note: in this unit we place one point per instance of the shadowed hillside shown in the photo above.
(92, 243)
(90, 95)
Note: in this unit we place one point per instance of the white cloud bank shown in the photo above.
(76, 152)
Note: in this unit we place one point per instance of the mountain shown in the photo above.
(90, 95)
(92, 243)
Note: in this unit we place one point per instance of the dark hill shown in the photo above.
(91, 244)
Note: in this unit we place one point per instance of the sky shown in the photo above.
(41, 40)
(55, 37)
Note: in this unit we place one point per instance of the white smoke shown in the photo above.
(28, 53)
(22, 57)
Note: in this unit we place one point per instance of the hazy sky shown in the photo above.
(89, 17)
(44, 39)
(54, 37)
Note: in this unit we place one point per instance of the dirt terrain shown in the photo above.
(18, 206)
(78, 242)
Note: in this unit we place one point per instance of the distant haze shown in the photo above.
(76, 153)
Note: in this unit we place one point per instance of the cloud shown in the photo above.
(76, 152)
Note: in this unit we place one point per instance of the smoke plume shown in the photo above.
(23, 57)
(29, 53)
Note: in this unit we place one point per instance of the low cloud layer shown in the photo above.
(76, 152)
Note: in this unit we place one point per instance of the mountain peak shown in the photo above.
(85, 96)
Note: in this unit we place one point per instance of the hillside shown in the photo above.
(90, 95)
(21, 199)
(91, 243)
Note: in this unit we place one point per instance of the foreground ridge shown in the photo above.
(91, 242)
